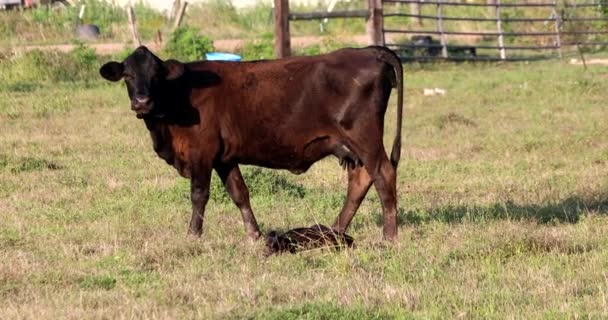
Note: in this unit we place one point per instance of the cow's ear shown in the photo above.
(174, 69)
(112, 71)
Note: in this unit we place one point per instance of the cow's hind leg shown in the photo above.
(359, 183)
(385, 181)
(236, 188)
(381, 172)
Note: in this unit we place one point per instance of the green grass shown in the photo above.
(503, 196)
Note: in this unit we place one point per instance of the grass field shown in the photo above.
(503, 202)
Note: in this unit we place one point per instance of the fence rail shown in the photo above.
(325, 15)
(400, 45)
(282, 16)
(581, 5)
(470, 4)
(564, 18)
(421, 16)
(496, 34)
(505, 5)
(554, 25)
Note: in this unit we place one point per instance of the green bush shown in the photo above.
(149, 20)
(84, 56)
(33, 66)
(259, 49)
(36, 66)
(312, 50)
(122, 54)
(186, 44)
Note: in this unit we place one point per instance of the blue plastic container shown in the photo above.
(222, 56)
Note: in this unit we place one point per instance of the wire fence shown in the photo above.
(493, 29)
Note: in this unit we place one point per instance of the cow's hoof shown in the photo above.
(195, 234)
(390, 238)
(253, 235)
(390, 231)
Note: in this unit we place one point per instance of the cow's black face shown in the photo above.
(144, 74)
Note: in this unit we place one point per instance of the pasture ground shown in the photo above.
(503, 197)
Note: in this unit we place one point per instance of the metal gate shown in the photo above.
(493, 29)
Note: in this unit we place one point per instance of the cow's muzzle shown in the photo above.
(141, 105)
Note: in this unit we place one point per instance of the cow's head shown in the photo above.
(144, 74)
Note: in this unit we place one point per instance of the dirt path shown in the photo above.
(589, 61)
(229, 45)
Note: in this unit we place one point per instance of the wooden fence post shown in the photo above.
(501, 42)
(133, 27)
(375, 23)
(282, 40)
(444, 48)
(558, 22)
(81, 13)
(180, 14)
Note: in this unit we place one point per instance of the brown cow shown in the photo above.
(282, 114)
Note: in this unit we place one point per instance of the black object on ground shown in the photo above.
(301, 239)
(87, 32)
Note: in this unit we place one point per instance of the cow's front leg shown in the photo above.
(236, 188)
(199, 193)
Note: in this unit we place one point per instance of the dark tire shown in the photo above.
(87, 32)
(59, 4)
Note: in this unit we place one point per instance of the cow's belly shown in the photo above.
(296, 157)
(296, 162)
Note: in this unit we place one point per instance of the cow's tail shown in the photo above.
(393, 60)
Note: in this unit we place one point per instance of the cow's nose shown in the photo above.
(141, 99)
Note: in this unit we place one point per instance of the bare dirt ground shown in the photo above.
(220, 45)
(229, 45)
(589, 61)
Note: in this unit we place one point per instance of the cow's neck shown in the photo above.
(161, 139)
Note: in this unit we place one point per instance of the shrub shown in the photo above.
(186, 44)
(36, 66)
(32, 66)
(122, 54)
(333, 43)
(83, 55)
(312, 50)
(259, 49)
(149, 20)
